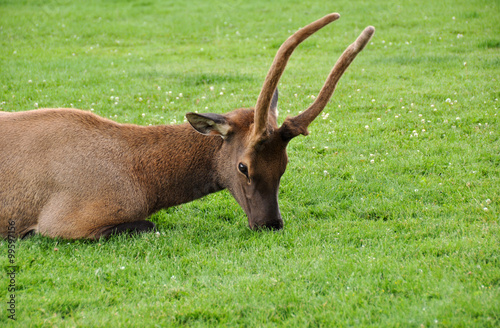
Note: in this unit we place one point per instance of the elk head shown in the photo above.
(253, 155)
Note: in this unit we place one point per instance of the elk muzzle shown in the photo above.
(271, 221)
(260, 206)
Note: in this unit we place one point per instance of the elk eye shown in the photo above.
(243, 169)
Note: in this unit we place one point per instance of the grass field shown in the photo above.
(391, 205)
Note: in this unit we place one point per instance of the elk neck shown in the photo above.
(174, 164)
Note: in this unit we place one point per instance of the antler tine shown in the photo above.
(276, 70)
(302, 121)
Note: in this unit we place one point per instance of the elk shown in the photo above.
(71, 174)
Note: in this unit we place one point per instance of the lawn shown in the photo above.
(391, 204)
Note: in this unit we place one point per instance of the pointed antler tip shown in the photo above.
(363, 38)
(370, 30)
(332, 17)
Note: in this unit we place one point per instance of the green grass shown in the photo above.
(391, 205)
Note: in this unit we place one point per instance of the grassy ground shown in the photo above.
(391, 205)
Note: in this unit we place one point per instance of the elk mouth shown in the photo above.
(271, 221)
(264, 222)
(274, 225)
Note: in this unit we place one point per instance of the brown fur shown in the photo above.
(69, 173)
(72, 174)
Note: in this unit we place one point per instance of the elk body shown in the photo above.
(72, 174)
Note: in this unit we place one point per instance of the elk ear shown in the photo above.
(209, 124)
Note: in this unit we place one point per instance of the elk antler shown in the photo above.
(271, 82)
(294, 126)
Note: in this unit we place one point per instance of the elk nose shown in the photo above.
(277, 225)
(273, 225)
